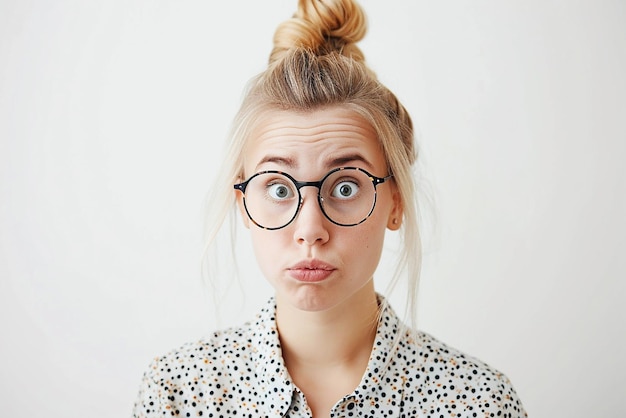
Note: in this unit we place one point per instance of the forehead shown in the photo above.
(322, 138)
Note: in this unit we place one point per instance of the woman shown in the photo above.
(320, 161)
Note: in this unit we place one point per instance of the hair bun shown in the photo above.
(323, 26)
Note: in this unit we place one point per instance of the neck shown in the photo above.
(341, 336)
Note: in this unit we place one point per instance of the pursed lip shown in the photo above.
(311, 270)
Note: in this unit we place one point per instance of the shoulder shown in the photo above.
(221, 352)
(439, 355)
(445, 377)
(201, 373)
(207, 356)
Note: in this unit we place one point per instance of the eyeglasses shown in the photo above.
(346, 195)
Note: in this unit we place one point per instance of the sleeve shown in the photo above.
(150, 402)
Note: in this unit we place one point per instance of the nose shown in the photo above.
(311, 226)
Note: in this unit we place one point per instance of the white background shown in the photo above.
(112, 117)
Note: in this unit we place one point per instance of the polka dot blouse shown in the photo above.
(240, 372)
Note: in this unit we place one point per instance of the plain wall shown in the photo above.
(112, 119)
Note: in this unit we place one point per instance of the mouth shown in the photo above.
(311, 271)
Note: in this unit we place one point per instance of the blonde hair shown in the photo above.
(315, 63)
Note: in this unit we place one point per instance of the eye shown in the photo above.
(279, 191)
(345, 189)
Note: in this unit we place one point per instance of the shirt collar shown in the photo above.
(276, 387)
(383, 368)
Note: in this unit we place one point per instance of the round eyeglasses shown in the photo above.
(346, 195)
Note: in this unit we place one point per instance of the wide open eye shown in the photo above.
(280, 191)
(345, 189)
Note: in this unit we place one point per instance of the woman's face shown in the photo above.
(312, 263)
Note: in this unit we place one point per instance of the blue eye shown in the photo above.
(345, 189)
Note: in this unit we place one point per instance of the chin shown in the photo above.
(313, 298)
(308, 298)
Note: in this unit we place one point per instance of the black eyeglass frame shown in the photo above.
(300, 184)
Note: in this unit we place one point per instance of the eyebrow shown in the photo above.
(331, 162)
(283, 161)
(348, 158)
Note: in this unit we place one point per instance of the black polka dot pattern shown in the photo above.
(239, 372)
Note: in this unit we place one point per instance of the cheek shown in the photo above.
(258, 239)
(266, 246)
(366, 247)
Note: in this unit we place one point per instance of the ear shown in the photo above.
(242, 209)
(395, 216)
